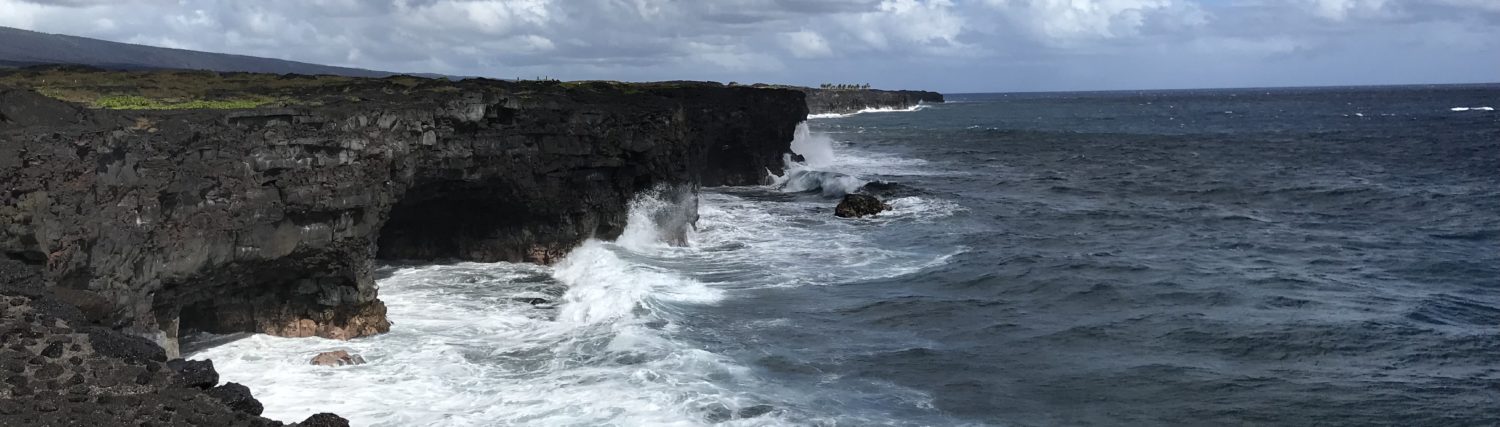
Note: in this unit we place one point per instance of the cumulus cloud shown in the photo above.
(806, 44)
(803, 41)
(1066, 21)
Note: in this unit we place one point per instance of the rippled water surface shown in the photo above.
(1286, 257)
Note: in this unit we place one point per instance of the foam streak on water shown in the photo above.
(609, 335)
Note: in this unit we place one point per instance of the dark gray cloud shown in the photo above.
(951, 45)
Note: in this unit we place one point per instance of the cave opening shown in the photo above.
(477, 221)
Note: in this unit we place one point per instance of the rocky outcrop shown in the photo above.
(337, 358)
(841, 101)
(58, 371)
(859, 205)
(268, 220)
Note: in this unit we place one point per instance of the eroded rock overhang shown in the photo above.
(269, 220)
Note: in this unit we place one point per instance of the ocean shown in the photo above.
(1322, 256)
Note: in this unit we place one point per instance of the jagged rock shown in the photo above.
(324, 420)
(268, 220)
(826, 101)
(337, 358)
(859, 205)
(194, 373)
(237, 397)
(118, 384)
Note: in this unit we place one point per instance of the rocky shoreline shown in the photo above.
(848, 101)
(139, 226)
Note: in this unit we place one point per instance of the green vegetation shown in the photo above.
(184, 90)
(132, 102)
(187, 90)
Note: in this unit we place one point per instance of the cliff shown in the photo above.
(268, 219)
(58, 370)
(837, 101)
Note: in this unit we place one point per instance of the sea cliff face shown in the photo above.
(268, 220)
(836, 101)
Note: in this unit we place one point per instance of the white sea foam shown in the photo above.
(1462, 109)
(604, 336)
(919, 106)
(466, 349)
(923, 208)
(815, 148)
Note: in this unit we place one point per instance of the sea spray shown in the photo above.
(666, 214)
(816, 149)
(589, 341)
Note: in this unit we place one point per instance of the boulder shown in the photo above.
(324, 420)
(237, 397)
(337, 358)
(199, 374)
(859, 205)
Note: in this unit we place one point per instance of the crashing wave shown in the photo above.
(799, 179)
(815, 151)
(1462, 109)
(919, 106)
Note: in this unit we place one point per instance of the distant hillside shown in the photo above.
(19, 48)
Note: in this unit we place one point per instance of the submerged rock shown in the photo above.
(755, 411)
(859, 205)
(337, 358)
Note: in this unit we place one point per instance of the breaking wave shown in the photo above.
(917, 107)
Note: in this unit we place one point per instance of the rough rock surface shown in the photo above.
(56, 372)
(268, 220)
(832, 101)
(337, 358)
(859, 205)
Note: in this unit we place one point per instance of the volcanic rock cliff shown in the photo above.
(268, 219)
(842, 101)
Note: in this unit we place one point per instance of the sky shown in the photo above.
(944, 45)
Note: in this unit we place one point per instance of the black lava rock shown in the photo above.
(237, 397)
(198, 374)
(324, 420)
(859, 205)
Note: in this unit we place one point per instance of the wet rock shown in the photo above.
(237, 397)
(531, 300)
(717, 413)
(198, 374)
(324, 420)
(755, 411)
(859, 205)
(337, 358)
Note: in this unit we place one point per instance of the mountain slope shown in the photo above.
(21, 48)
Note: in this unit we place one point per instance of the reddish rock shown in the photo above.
(337, 358)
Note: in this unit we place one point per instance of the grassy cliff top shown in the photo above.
(185, 89)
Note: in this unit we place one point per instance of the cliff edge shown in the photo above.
(160, 213)
(848, 101)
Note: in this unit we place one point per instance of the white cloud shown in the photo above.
(921, 26)
(806, 44)
(940, 41)
(19, 14)
(1070, 21)
(1339, 10)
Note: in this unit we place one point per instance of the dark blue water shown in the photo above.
(1294, 257)
(1228, 257)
